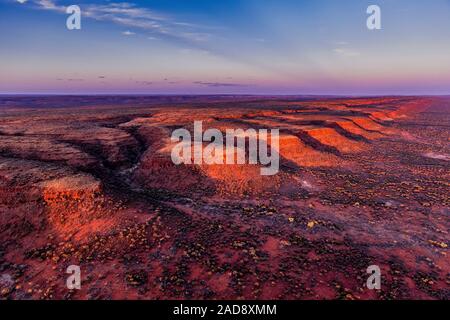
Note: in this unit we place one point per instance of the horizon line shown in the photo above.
(2, 94)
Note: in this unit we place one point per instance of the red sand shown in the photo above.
(359, 184)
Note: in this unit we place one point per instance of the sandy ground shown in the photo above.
(89, 181)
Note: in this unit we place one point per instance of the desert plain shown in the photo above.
(89, 181)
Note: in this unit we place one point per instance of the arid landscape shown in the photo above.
(89, 181)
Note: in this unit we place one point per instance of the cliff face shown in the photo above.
(361, 182)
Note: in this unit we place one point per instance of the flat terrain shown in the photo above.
(89, 181)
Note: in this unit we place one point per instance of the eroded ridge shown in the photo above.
(361, 182)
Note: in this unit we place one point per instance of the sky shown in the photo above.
(225, 47)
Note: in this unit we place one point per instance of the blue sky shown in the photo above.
(233, 46)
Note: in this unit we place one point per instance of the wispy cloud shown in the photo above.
(132, 16)
(218, 84)
(341, 43)
(345, 52)
(71, 79)
(50, 5)
(128, 33)
(145, 83)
